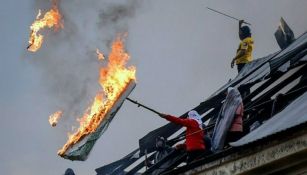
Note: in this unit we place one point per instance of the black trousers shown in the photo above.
(240, 67)
(233, 136)
(244, 91)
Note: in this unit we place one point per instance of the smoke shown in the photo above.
(67, 59)
(115, 18)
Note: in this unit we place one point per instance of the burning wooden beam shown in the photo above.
(117, 81)
(81, 150)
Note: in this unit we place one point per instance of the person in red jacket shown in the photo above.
(194, 145)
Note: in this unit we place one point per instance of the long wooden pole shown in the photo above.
(141, 105)
(224, 14)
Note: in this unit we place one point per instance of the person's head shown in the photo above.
(160, 143)
(195, 116)
(233, 92)
(229, 90)
(69, 171)
(244, 32)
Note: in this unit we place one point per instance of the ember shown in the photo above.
(54, 118)
(100, 55)
(52, 18)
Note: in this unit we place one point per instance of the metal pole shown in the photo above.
(146, 160)
(227, 15)
(140, 105)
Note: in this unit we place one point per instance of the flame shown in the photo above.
(113, 79)
(100, 55)
(52, 18)
(54, 118)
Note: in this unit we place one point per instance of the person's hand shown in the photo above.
(241, 22)
(180, 146)
(232, 63)
(148, 163)
(162, 115)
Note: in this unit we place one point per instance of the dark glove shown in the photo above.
(232, 63)
(241, 22)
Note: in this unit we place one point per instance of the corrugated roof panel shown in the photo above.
(293, 115)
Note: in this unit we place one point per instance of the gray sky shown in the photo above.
(181, 50)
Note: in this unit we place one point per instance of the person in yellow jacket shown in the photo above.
(244, 52)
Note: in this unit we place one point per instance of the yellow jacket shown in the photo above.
(248, 45)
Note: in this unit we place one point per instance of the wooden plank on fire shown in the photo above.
(81, 150)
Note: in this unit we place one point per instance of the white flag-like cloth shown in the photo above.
(225, 118)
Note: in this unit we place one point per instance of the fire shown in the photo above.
(54, 118)
(52, 18)
(114, 78)
(100, 55)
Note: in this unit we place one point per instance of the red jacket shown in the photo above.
(194, 135)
